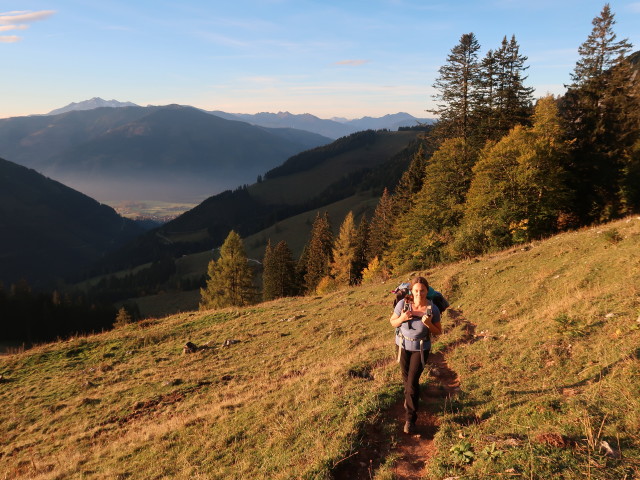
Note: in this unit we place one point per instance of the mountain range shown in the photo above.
(169, 153)
(333, 128)
(329, 128)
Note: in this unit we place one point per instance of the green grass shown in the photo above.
(553, 370)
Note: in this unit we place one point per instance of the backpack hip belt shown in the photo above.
(421, 340)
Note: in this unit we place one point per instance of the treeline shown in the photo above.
(508, 170)
(501, 170)
(30, 317)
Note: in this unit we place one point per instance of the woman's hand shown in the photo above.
(434, 328)
(397, 320)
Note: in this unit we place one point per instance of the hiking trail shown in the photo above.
(411, 452)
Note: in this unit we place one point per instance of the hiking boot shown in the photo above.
(409, 427)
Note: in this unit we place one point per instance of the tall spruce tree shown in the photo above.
(380, 227)
(230, 279)
(514, 101)
(456, 101)
(410, 182)
(279, 276)
(503, 100)
(268, 273)
(361, 249)
(319, 252)
(301, 268)
(344, 253)
(598, 108)
(487, 86)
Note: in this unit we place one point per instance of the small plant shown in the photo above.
(613, 236)
(463, 453)
(570, 326)
(491, 452)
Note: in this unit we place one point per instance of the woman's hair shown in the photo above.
(421, 280)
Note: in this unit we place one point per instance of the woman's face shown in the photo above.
(419, 291)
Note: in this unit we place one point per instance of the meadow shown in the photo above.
(549, 379)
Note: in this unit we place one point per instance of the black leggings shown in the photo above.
(411, 366)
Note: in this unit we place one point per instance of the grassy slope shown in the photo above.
(555, 360)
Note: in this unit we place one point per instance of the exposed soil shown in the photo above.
(384, 437)
(415, 450)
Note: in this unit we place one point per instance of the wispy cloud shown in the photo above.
(10, 18)
(9, 39)
(15, 20)
(6, 28)
(634, 7)
(352, 63)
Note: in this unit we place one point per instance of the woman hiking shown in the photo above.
(415, 318)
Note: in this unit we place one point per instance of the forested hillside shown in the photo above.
(362, 161)
(50, 230)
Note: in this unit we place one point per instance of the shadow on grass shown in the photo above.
(597, 377)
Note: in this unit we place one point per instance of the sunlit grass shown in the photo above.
(552, 372)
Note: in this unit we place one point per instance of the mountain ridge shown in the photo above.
(50, 230)
(95, 102)
(134, 153)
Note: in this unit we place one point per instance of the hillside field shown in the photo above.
(549, 379)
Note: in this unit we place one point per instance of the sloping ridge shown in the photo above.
(50, 230)
(286, 389)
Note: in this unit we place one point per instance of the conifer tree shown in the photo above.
(301, 268)
(456, 101)
(487, 87)
(410, 182)
(421, 233)
(230, 279)
(344, 253)
(518, 187)
(284, 271)
(513, 100)
(268, 273)
(598, 108)
(122, 318)
(320, 252)
(381, 225)
(361, 249)
(503, 100)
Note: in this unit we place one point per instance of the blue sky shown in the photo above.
(328, 58)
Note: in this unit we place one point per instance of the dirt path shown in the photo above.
(412, 452)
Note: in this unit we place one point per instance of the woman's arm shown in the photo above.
(397, 320)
